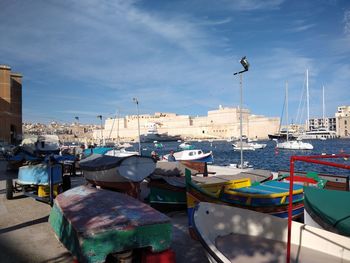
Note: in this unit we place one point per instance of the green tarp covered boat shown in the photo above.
(328, 209)
(93, 223)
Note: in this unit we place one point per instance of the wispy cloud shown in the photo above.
(346, 21)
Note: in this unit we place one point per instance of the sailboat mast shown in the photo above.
(323, 108)
(287, 111)
(307, 99)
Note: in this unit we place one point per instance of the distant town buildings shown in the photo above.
(343, 121)
(10, 105)
(222, 123)
(328, 123)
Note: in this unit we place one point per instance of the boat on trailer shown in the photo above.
(231, 234)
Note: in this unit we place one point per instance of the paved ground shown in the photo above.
(26, 236)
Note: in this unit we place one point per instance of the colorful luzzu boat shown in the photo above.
(270, 197)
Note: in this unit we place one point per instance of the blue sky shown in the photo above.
(86, 58)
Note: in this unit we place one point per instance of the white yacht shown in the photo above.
(294, 145)
(320, 134)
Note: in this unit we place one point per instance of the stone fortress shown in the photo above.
(222, 123)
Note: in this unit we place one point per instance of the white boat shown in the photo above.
(192, 155)
(318, 134)
(294, 145)
(245, 146)
(122, 152)
(248, 146)
(231, 234)
(104, 170)
(186, 146)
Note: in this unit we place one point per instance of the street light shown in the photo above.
(138, 122)
(100, 117)
(244, 62)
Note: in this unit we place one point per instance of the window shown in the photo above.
(345, 122)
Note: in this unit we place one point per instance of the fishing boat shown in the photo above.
(167, 184)
(231, 234)
(118, 173)
(268, 197)
(186, 146)
(328, 209)
(192, 155)
(93, 223)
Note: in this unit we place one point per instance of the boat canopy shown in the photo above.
(98, 162)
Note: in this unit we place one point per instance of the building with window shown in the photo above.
(343, 121)
(10, 105)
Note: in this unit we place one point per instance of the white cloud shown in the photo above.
(346, 21)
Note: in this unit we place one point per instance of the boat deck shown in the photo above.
(243, 248)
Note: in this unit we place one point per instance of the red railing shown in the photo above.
(316, 159)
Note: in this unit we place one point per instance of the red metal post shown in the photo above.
(290, 206)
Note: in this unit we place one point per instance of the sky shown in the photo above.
(92, 57)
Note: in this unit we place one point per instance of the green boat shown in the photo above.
(327, 209)
(94, 223)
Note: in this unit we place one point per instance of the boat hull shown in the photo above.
(273, 204)
(231, 234)
(116, 223)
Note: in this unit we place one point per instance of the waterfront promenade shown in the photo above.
(26, 236)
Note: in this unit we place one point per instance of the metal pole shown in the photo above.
(241, 117)
(138, 125)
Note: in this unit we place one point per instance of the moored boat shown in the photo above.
(269, 197)
(328, 209)
(117, 172)
(230, 234)
(192, 155)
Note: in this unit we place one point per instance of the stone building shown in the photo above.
(343, 121)
(10, 105)
(222, 123)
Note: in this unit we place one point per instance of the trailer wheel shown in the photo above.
(9, 189)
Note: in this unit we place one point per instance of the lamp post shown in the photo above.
(244, 62)
(138, 122)
(101, 140)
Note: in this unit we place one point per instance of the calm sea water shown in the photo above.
(268, 158)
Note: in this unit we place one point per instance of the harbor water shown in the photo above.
(268, 158)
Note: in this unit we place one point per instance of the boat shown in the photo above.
(158, 145)
(153, 135)
(231, 234)
(329, 181)
(318, 134)
(282, 135)
(328, 209)
(294, 145)
(186, 146)
(167, 184)
(321, 133)
(192, 155)
(110, 151)
(244, 146)
(93, 223)
(268, 197)
(117, 173)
